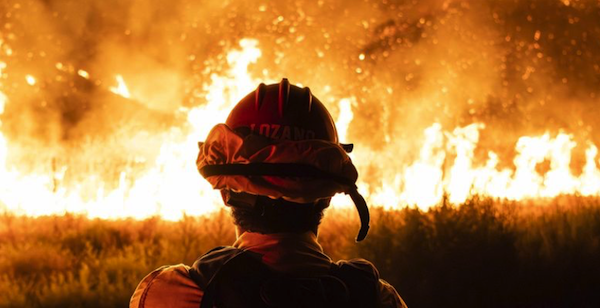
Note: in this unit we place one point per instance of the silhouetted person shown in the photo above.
(277, 162)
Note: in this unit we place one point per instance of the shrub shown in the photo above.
(483, 253)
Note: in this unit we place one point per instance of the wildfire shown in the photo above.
(225, 90)
(465, 179)
(170, 185)
(344, 118)
(3, 146)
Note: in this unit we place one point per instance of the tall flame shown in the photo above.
(225, 90)
(170, 186)
(3, 145)
(425, 182)
(344, 118)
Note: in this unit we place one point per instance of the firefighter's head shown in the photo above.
(277, 161)
(279, 112)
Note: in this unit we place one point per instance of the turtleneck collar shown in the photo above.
(298, 253)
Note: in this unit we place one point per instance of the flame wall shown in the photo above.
(102, 101)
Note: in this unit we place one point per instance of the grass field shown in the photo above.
(483, 253)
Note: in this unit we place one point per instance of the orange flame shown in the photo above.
(171, 186)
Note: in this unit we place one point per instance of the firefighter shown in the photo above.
(277, 162)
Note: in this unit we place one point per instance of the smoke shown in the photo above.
(519, 67)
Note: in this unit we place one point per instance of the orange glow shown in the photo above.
(171, 185)
(425, 107)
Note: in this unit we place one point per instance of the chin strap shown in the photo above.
(295, 170)
(363, 213)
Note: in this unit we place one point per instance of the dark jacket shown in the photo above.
(298, 255)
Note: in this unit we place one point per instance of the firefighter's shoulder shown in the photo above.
(362, 274)
(167, 286)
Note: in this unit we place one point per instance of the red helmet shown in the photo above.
(306, 146)
(283, 112)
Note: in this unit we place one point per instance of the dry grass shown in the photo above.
(483, 253)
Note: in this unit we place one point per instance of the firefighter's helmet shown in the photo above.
(301, 161)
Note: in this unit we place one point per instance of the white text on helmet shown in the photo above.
(282, 132)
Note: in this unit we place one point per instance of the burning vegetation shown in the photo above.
(102, 102)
